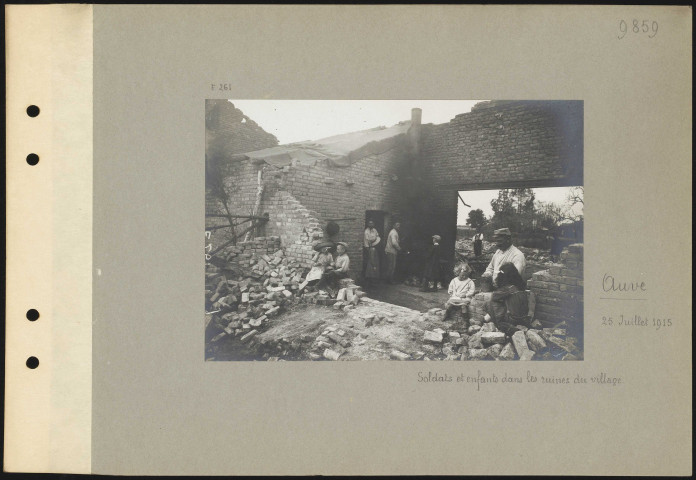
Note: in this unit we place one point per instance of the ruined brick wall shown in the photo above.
(501, 145)
(507, 142)
(243, 254)
(559, 290)
(345, 193)
(300, 200)
(297, 227)
(228, 131)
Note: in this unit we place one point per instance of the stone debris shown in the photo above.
(475, 341)
(507, 353)
(478, 354)
(246, 296)
(489, 338)
(249, 335)
(332, 340)
(434, 337)
(488, 327)
(534, 341)
(332, 354)
(527, 355)
(257, 282)
(397, 355)
(520, 343)
(494, 350)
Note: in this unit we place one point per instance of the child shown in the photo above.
(508, 305)
(340, 270)
(461, 290)
(322, 262)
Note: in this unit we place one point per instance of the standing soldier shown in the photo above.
(478, 243)
(432, 266)
(392, 249)
(370, 247)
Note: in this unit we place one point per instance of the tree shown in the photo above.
(548, 215)
(513, 208)
(476, 219)
(575, 200)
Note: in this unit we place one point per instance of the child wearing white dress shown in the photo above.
(461, 290)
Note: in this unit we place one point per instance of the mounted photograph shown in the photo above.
(408, 230)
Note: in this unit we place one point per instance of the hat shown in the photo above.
(502, 232)
(322, 245)
(437, 237)
(345, 245)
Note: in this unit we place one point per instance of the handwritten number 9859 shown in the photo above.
(644, 26)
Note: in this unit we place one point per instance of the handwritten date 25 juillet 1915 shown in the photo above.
(635, 27)
(636, 321)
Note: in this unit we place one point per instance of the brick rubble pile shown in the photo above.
(255, 284)
(258, 282)
(476, 340)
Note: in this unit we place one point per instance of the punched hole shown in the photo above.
(32, 362)
(32, 315)
(32, 159)
(33, 111)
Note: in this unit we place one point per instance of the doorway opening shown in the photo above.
(542, 220)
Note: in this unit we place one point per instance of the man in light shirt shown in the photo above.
(506, 252)
(391, 249)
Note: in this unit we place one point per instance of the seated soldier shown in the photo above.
(507, 306)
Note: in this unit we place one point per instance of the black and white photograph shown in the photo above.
(394, 230)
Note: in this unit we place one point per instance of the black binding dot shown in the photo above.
(32, 362)
(33, 111)
(32, 159)
(32, 315)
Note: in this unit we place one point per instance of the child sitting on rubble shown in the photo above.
(339, 270)
(461, 291)
(321, 262)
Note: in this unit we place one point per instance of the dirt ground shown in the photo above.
(374, 330)
(408, 296)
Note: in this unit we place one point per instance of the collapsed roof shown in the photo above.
(338, 150)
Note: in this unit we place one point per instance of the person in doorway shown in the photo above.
(391, 250)
(506, 253)
(432, 266)
(478, 243)
(507, 306)
(461, 290)
(371, 240)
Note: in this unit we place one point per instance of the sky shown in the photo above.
(482, 199)
(297, 120)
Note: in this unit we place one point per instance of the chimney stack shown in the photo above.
(414, 132)
(416, 116)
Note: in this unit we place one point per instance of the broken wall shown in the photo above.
(228, 131)
(559, 290)
(500, 144)
(300, 200)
